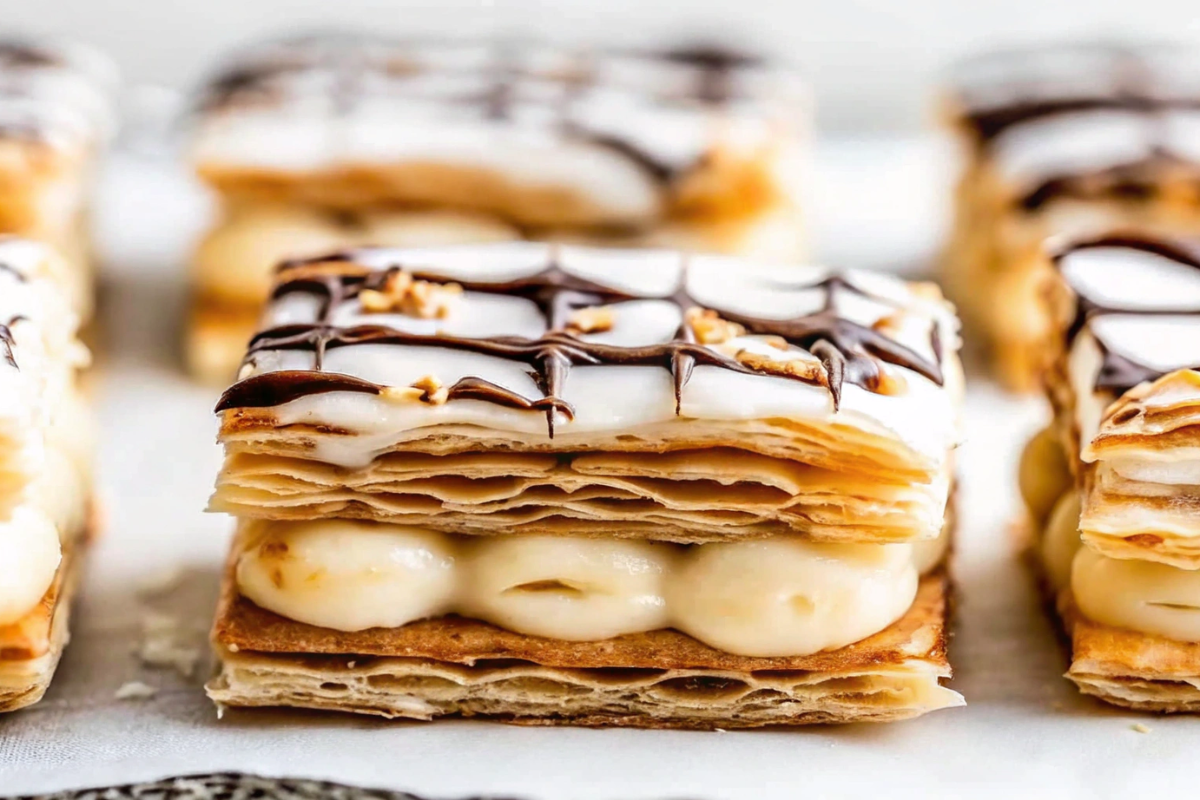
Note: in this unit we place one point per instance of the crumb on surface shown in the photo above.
(135, 690)
(1140, 728)
(161, 647)
(161, 582)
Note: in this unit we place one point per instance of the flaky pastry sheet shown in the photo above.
(661, 679)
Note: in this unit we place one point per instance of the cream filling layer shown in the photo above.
(29, 557)
(1139, 595)
(768, 597)
(1061, 541)
(54, 510)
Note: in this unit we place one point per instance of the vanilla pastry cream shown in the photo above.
(768, 597)
(1060, 541)
(29, 557)
(1139, 595)
(350, 575)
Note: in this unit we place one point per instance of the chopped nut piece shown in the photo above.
(778, 342)
(374, 302)
(594, 319)
(890, 383)
(890, 325)
(401, 292)
(427, 389)
(401, 394)
(796, 367)
(710, 328)
(432, 390)
(398, 283)
(428, 384)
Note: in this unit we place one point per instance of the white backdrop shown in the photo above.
(871, 61)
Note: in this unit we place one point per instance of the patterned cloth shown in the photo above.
(230, 786)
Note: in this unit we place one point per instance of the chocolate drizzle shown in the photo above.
(7, 342)
(849, 352)
(511, 85)
(15, 53)
(1107, 77)
(1119, 373)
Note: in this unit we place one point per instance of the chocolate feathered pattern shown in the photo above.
(357, 66)
(6, 335)
(849, 351)
(1119, 373)
(1125, 79)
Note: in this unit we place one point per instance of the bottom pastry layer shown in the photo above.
(1131, 669)
(1119, 666)
(661, 679)
(31, 647)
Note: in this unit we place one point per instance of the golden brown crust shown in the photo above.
(1123, 667)
(720, 187)
(662, 679)
(1131, 669)
(31, 648)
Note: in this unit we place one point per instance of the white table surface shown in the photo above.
(1024, 733)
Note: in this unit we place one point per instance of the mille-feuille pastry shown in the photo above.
(330, 142)
(559, 484)
(1120, 549)
(1062, 140)
(45, 479)
(55, 117)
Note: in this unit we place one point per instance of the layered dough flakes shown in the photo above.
(659, 484)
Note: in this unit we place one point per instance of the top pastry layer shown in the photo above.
(538, 134)
(534, 347)
(1128, 388)
(1083, 120)
(1129, 308)
(55, 94)
(1001, 89)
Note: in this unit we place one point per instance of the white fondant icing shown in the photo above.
(922, 415)
(539, 117)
